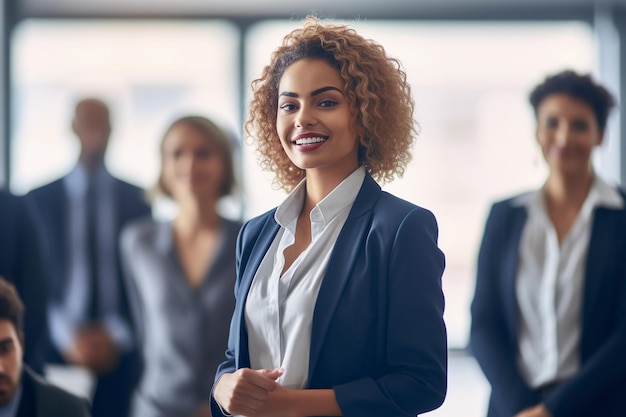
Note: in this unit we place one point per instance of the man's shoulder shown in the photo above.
(131, 199)
(9, 203)
(126, 186)
(50, 188)
(54, 399)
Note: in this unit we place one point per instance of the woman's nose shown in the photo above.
(305, 117)
(186, 162)
(563, 134)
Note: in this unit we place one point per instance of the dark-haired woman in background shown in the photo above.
(181, 273)
(549, 312)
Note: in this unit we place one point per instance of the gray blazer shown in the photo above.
(182, 332)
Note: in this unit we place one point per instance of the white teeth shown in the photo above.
(308, 141)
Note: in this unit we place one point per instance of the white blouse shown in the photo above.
(549, 286)
(279, 309)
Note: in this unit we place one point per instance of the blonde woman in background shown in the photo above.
(182, 272)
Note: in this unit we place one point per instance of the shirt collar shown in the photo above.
(335, 202)
(601, 194)
(607, 195)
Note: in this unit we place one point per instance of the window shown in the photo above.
(149, 72)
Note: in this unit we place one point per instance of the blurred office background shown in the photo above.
(471, 64)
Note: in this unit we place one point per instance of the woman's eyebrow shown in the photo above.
(323, 89)
(313, 93)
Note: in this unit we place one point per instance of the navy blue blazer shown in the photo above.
(599, 387)
(378, 337)
(22, 264)
(42, 399)
(113, 391)
(51, 202)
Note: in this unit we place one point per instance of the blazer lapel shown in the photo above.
(29, 402)
(264, 239)
(58, 226)
(510, 265)
(344, 255)
(602, 245)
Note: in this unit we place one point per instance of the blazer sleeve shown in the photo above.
(413, 378)
(127, 244)
(31, 284)
(229, 365)
(490, 340)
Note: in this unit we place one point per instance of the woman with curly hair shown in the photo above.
(339, 305)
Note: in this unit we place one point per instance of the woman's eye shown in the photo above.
(328, 103)
(287, 107)
(552, 123)
(580, 125)
(203, 153)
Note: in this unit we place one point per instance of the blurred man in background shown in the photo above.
(82, 214)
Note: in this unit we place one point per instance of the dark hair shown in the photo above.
(580, 87)
(375, 86)
(11, 307)
(213, 134)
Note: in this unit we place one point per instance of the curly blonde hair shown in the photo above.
(375, 86)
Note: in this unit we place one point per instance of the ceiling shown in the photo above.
(300, 8)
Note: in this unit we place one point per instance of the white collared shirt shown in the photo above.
(549, 286)
(279, 309)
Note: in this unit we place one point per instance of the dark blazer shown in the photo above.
(41, 399)
(21, 263)
(599, 387)
(113, 390)
(378, 337)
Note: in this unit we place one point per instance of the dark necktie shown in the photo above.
(92, 251)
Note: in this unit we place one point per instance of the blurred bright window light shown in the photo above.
(150, 72)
